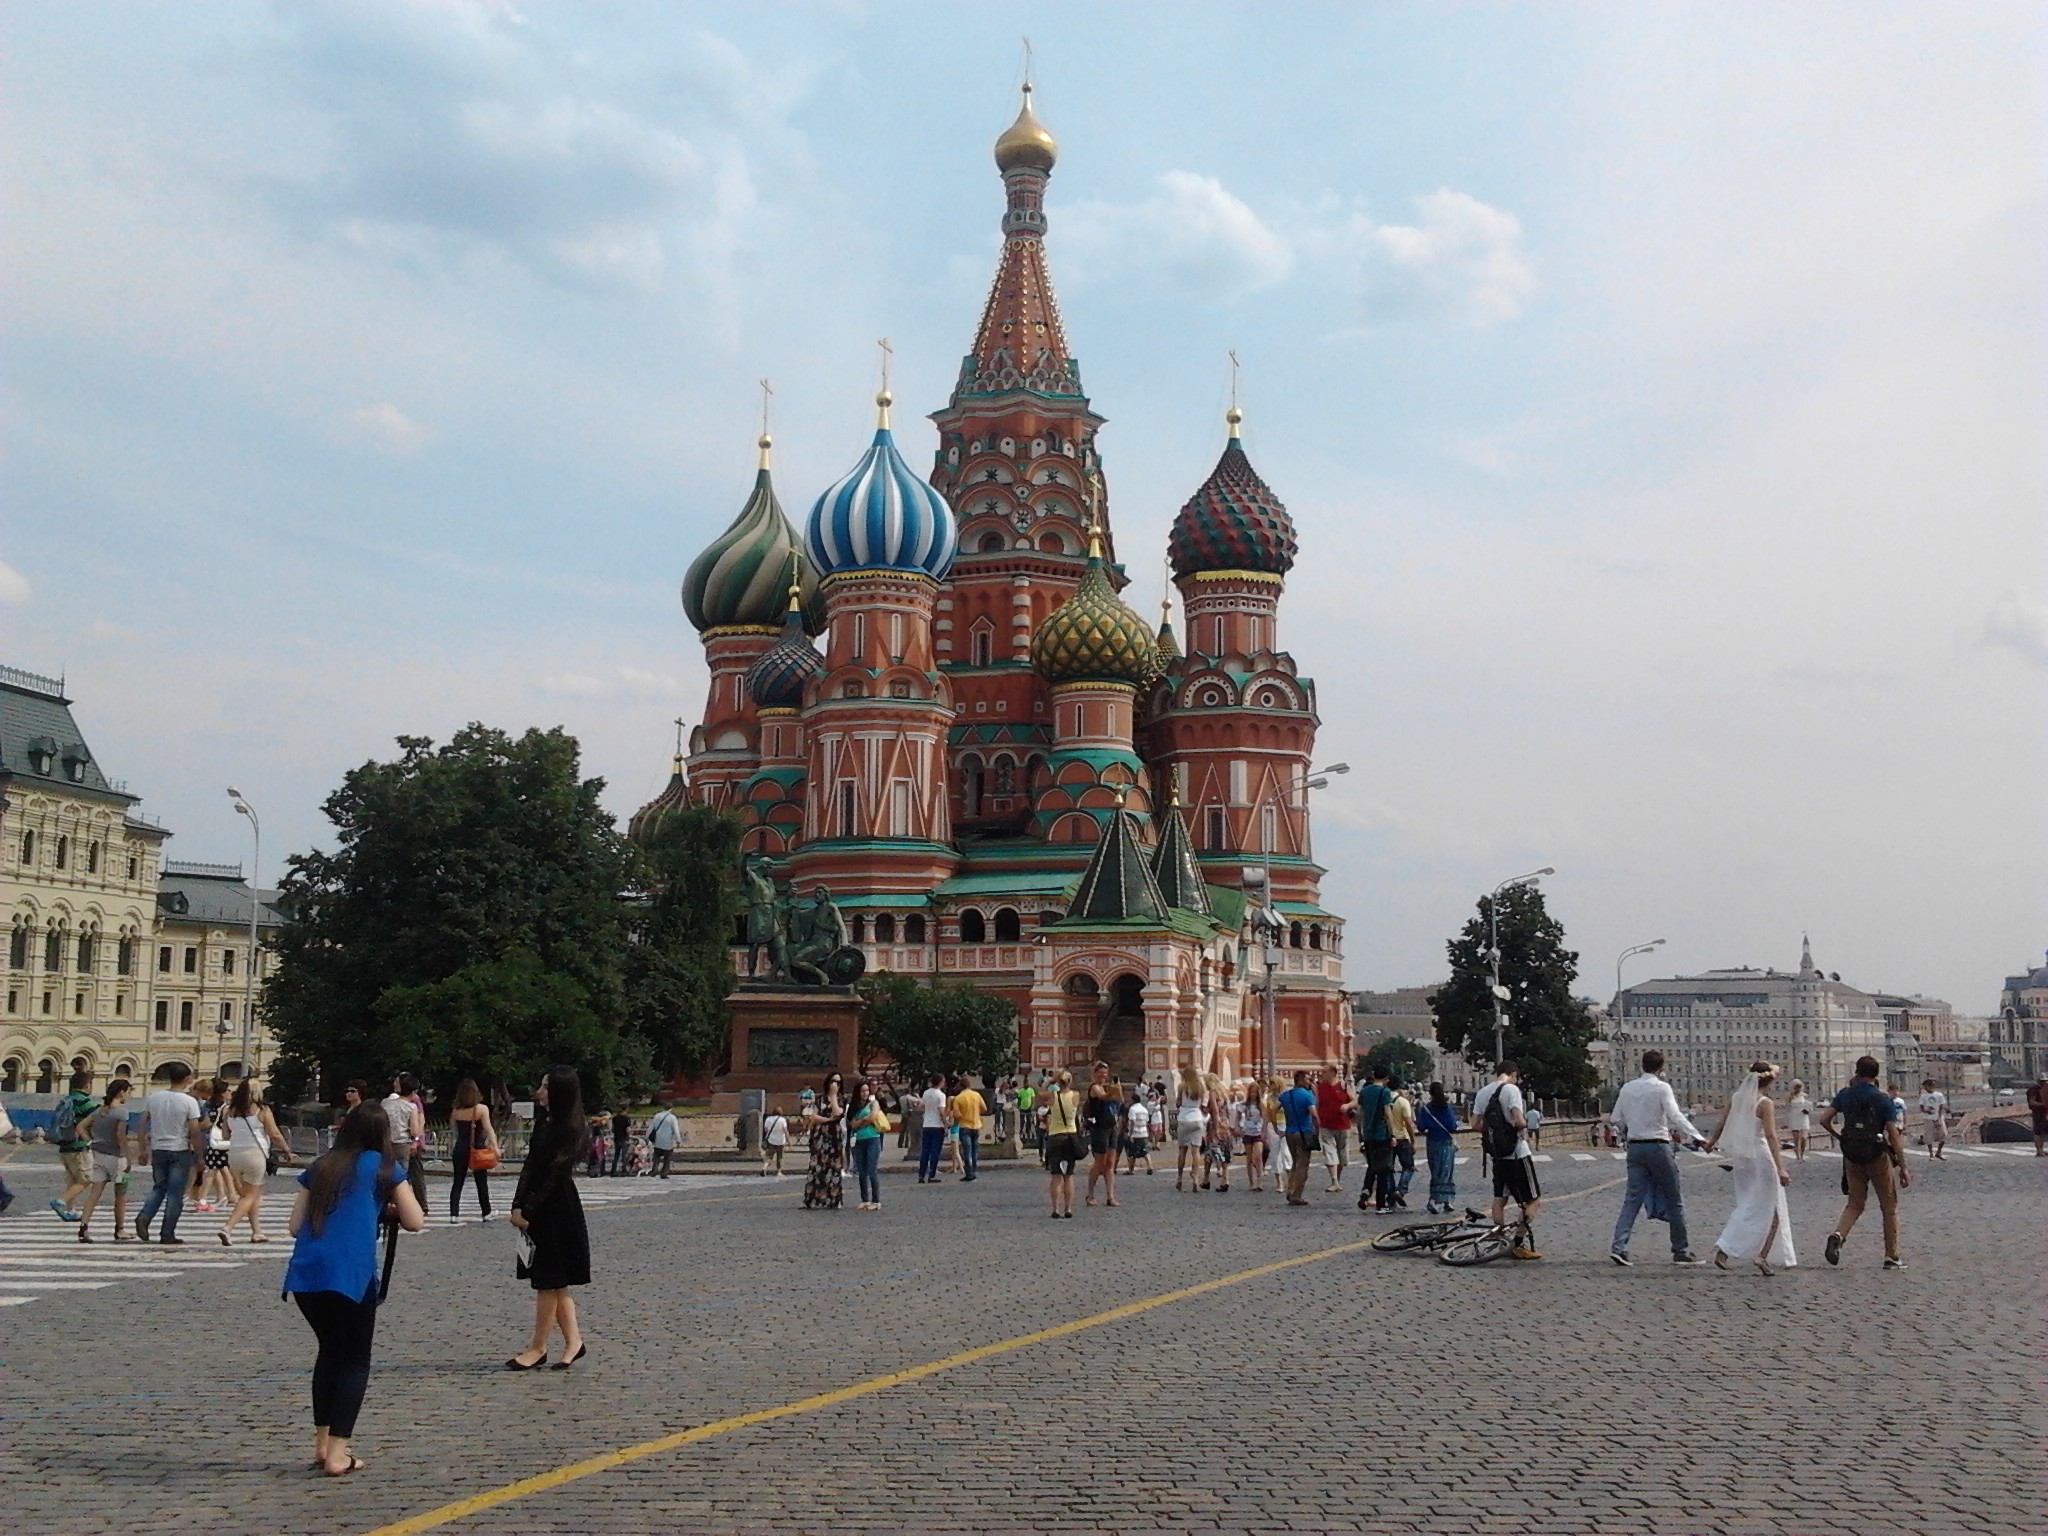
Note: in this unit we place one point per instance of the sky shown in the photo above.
(1658, 392)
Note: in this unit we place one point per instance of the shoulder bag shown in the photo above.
(483, 1156)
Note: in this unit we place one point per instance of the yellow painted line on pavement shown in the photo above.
(476, 1504)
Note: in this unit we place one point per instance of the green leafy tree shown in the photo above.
(1548, 1030)
(468, 922)
(679, 968)
(946, 1027)
(1409, 1060)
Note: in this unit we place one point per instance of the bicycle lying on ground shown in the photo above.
(1429, 1235)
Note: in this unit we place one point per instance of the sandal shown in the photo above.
(1720, 1260)
(355, 1464)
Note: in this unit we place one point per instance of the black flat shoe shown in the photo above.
(514, 1365)
(569, 1360)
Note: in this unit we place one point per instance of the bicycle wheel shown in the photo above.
(1483, 1249)
(1421, 1234)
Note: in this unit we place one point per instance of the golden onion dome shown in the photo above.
(1025, 143)
(1095, 636)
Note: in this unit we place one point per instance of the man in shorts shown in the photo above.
(1504, 1133)
(76, 1152)
(1934, 1119)
(1334, 1105)
(1137, 1131)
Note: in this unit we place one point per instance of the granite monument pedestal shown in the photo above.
(787, 1037)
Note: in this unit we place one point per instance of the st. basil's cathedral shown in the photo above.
(1002, 773)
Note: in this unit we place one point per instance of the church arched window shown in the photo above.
(885, 928)
(973, 927)
(1009, 927)
(913, 928)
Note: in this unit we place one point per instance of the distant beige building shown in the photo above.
(1711, 1026)
(2019, 1035)
(100, 928)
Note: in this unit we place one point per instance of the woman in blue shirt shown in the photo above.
(333, 1270)
(1439, 1121)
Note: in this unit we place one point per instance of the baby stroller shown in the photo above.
(639, 1157)
(600, 1153)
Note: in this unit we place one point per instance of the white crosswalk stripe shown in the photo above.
(1582, 1157)
(40, 1253)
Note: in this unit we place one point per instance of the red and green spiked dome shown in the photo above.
(1234, 522)
(1095, 636)
(742, 577)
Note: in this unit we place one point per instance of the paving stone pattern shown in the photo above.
(1362, 1392)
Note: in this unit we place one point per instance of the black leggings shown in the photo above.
(341, 1371)
(483, 1191)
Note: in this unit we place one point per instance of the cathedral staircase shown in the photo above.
(1120, 1041)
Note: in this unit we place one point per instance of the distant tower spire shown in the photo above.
(1806, 957)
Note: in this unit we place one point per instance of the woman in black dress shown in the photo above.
(549, 1214)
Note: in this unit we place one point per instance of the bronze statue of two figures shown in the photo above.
(807, 944)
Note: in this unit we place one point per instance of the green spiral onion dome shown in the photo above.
(741, 579)
(1095, 636)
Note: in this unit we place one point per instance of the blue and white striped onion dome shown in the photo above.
(882, 516)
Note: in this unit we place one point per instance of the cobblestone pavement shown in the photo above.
(1354, 1392)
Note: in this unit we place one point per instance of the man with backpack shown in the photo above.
(1873, 1146)
(1376, 1140)
(74, 1146)
(1503, 1136)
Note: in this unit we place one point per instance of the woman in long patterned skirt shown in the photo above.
(827, 1121)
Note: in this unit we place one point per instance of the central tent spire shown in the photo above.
(1021, 343)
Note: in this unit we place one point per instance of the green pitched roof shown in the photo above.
(1118, 884)
(1174, 867)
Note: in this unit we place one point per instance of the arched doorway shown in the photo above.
(1123, 1027)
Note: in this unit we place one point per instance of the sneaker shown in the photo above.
(1894, 1263)
(1688, 1257)
(1834, 1248)
(62, 1210)
(170, 1242)
(1620, 1258)
(1525, 1253)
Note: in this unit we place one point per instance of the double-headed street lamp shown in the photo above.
(1617, 1037)
(1500, 993)
(1266, 917)
(243, 807)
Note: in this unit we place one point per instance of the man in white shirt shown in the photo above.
(1934, 1119)
(931, 1130)
(1645, 1114)
(1504, 1134)
(774, 1141)
(664, 1132)
(171, 1128)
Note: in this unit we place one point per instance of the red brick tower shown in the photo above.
(1017, 462)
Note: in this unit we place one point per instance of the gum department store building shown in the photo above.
(1000, 771)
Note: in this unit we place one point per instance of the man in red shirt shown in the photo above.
(1334, 1104)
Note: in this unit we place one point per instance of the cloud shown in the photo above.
(14, 587)
(2019, 623)
(1460, 257)
(1461, 254)
(451, 136)
(1193, 232)
(389, 428)
(622, 683)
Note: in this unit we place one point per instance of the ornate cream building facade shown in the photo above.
(117, 960)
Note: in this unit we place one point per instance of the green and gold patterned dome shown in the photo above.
(740, 579)
(1095, 636)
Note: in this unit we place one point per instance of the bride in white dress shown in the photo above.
(1759, 1228)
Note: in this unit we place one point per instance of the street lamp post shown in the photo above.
(1617, 1037)
(1500, 993)
(1266, 920)
(243, 807)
